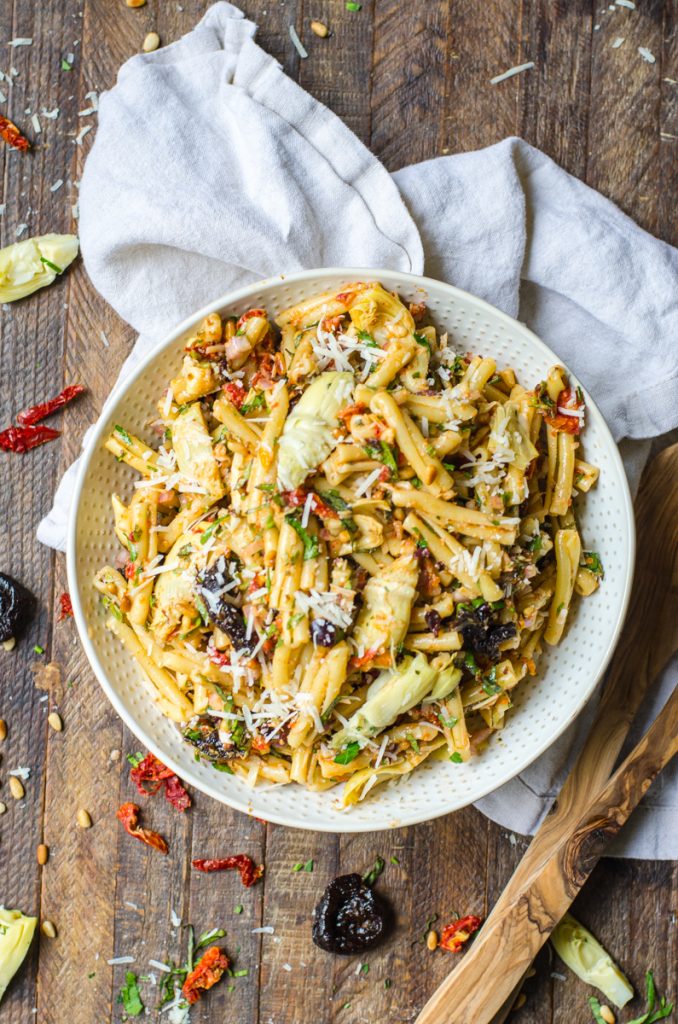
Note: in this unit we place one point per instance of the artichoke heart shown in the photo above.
(584, 955)
(34, 263)
(392, 693)
(388, 599)
(308, 436)
(510, 436)
(16, 933)
(193, 447)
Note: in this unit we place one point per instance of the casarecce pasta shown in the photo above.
(347, 543)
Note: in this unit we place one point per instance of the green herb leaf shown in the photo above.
(311, 546)
(387, 983)
(211, 529)
(308, 866)
(221, 766)
(413, 742)
(422, 340)
(130, 997)
(352, 6)
(651, 1014)
(370, 877)
(471, 663)
(65, 65)
(456, 757)
(121, 432)
(334, 500)
(258, 402)
(449, 723)
(595, 1010)
(298, 866)
(489, 682)
(38, 649)
(365, 335)
(135, 759)
(241, 974)
(591, 561)
(364, 969)
(349, 753)
(52, 266)
(238, 909)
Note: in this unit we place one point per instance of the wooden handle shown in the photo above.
(504, 950)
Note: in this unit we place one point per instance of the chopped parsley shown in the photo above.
(238, 909)
(351, 5)
(591, 561)
(52, 266)
(364, 969)
(311, 546)
(394, 860)
(130, 997)
(66, 65)
(413, 742)
(383, 453)
(456, 757)
(367, 338)
(298, 866)
(653, 1012)
(348, 754)
(135, 759)
(211, 529)
(308, 866)
(422, 340)
(200, 605)
(489, 682)
(370, 877)
(258, 402)
(449, 723)
(334, 500)
(38, 649)
(121, 432)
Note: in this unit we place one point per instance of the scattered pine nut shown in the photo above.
(3, 729)
(115, 754)
(16, 788)
(10, 644)
(3, 807)
(135, 3)
(43, 853)
(607, 1015)
(432, 940)
(48, 928)
(54, 720)
(84, 819)
(319, 29)
(151, 42)
(520, 1002)
(531, 973)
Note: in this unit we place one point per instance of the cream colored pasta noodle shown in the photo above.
(346, 541)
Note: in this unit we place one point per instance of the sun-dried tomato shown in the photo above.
(249, 872)
(567, 399)
(206, 973)
(455, 934)
(12, 136)
(297, 498)
(151, 774)
(65, 606)
(372, 658)
(248, 316)
(235, 392)
(271, 367)
(22, 439)
(128, 815)
(351, 410)
(39, 412)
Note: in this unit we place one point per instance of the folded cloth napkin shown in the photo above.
(212, 169)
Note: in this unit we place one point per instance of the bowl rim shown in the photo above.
(230, 298)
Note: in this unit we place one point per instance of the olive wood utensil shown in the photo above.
(651, 623)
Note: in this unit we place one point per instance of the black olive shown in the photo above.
(16, 606)
(433, 620)
(324, 633)
(350, 917)
(485, 639)
(203, 734)
(224, 615)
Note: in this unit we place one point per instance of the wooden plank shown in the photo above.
(408, 80)
(668, 127)
(624, 164)
(273, 34)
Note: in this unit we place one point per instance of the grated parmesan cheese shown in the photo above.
(35, 121)
(616, 43)
(115, 960)
(158, 964)
(81, 134)
(57, 185)
(297, 43)
(626, 3)
(20, 42)
(104, 339)
(366, 484)
(647, 55)
(308, 504)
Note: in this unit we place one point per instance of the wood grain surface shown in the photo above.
(413, 81)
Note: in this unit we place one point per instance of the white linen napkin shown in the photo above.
(211, 169)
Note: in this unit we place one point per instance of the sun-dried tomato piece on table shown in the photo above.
(249, 872)
(12, 136)
(150, 774)
(455, 934)
(65, 606)
(128, 815)
(22, 439)
(206, 973)
(43, 409)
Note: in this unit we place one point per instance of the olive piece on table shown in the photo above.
(16, 605)
(350, 917)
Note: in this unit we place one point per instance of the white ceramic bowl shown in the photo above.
(544, 707)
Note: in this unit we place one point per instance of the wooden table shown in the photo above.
(412, 79)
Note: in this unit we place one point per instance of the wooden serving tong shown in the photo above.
(591, 807)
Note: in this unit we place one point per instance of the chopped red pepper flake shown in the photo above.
(22, 439)
(65, 606)
(454, 935)
(248, 316)
(235, 392)
(249, 873)
(128, 815)
(206, 973)
(150, 774)
(39, 412)
(12, 136)
(567, 399)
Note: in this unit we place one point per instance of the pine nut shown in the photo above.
(531, 973)
(3, 730)
(48, 928)
(151, 42)
(10, 644)
(607, 1015)
(3, 807)
(43, 853)
(16, 788)
(520, 1002)
(432, 940)
(54, 720)
(135, 3)
(84, 819)
(319, 29)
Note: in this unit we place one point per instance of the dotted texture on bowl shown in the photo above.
(543, 706)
